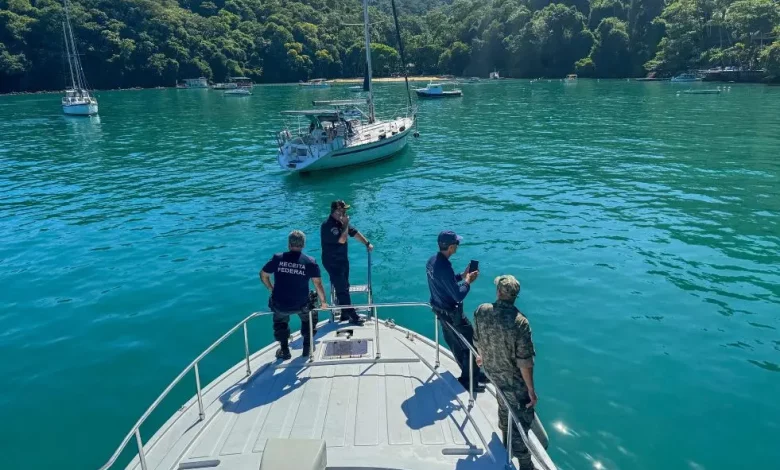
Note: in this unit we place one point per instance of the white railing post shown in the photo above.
(201, 414)
(378, 351)
(436, 325)
(246, 351)
(510, 424)
(311, 336)
(141, 455)
(471, 378)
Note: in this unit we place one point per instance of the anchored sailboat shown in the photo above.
(331, 138)
(78, 101)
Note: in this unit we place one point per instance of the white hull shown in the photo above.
(336, 155)
(80, 109)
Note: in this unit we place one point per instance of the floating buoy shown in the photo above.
(416, 134)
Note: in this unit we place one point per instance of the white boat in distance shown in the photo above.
(377, 396)
(328, 137)
(243, 87)
(78, 101)
(436, 90)
(315, 83)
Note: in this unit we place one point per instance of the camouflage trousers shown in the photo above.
(518, 398)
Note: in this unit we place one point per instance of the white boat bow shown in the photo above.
(377, 396)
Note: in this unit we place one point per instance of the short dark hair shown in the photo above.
(296, 239)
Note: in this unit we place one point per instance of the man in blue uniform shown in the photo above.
(448, 290)
(334, 234)
(292, 271)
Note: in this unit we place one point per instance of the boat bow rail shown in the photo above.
(135, 431)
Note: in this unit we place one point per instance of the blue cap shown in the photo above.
(448, 238)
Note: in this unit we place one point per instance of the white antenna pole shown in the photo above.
(367, 26)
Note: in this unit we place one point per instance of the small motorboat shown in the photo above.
(316, 83)
(685, 78)
(436, 90)
(242, 86)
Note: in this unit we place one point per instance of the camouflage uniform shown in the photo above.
(503, 338)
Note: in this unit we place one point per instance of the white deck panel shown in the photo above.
(395, 413)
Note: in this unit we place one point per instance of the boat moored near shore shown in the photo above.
(436, 90)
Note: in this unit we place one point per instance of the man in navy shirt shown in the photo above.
(290, 291)
(447, 293)
(334, 234)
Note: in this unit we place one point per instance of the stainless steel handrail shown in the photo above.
(136, 429)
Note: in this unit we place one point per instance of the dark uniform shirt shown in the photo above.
(333, 252)
(503, 338)
(446, 294)
(292, 271)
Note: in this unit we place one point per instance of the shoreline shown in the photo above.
(359, 81)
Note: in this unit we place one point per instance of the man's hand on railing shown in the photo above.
(479, 361)
(370, 247)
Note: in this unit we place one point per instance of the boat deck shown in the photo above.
(395, 412)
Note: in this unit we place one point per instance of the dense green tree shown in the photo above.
(600, 9)
(610, 54)
(771, 59)
(455, 59)
(159, 42)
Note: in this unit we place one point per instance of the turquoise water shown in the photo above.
(644, 227)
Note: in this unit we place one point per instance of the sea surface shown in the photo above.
(643, 224)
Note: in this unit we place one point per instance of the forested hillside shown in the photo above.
(157, 42)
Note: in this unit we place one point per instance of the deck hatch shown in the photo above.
(351, 348)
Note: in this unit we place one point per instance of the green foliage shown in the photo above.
(714, 33)
(771, 60)
(159, 42)
(551, 43)
(585, 67)
(610, 54)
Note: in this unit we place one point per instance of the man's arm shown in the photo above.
(528, 377)
(362, 239)
(524, 353)
(320, 291)
(266, 279)
(459, 291)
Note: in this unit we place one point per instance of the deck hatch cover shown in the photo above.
(350, 348)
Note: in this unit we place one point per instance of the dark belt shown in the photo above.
(449, 315)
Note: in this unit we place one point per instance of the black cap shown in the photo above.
(448, 238)
(340, 204)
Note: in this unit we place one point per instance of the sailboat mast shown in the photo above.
(67, 53)
(79, 73)
(367, 27)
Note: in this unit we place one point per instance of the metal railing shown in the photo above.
(135, 431)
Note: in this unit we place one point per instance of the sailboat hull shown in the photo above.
(85, 109)
(322, 159)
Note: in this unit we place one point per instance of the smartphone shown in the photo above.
(473, 266)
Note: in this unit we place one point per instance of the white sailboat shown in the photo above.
(329, 138)
(78, 101)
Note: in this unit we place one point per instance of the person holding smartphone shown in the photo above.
(448, 290)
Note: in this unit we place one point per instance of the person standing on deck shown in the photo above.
(290, 291)
(503, 339)
(447, 295)
(334, 234)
